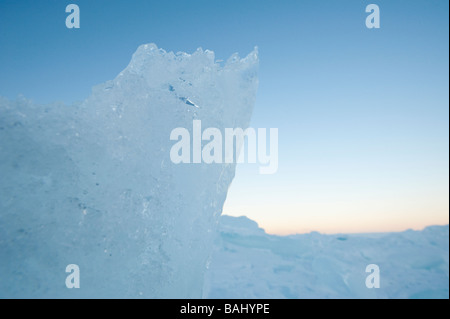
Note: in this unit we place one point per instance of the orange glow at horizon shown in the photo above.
(346, 217)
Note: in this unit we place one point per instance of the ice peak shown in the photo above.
(148, 54)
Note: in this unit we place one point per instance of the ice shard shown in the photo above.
(93, 184)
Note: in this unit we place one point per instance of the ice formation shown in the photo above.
(248, 263)
(93, 185)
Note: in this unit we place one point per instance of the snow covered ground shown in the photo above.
(248, 263)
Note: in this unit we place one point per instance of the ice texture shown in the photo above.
(248, 263)
(92, 184)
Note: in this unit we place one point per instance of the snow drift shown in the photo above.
(248, 263)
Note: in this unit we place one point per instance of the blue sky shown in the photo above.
(362, 114)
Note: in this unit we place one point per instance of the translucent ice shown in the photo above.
(93, 184)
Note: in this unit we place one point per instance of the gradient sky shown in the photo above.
(362, 114)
